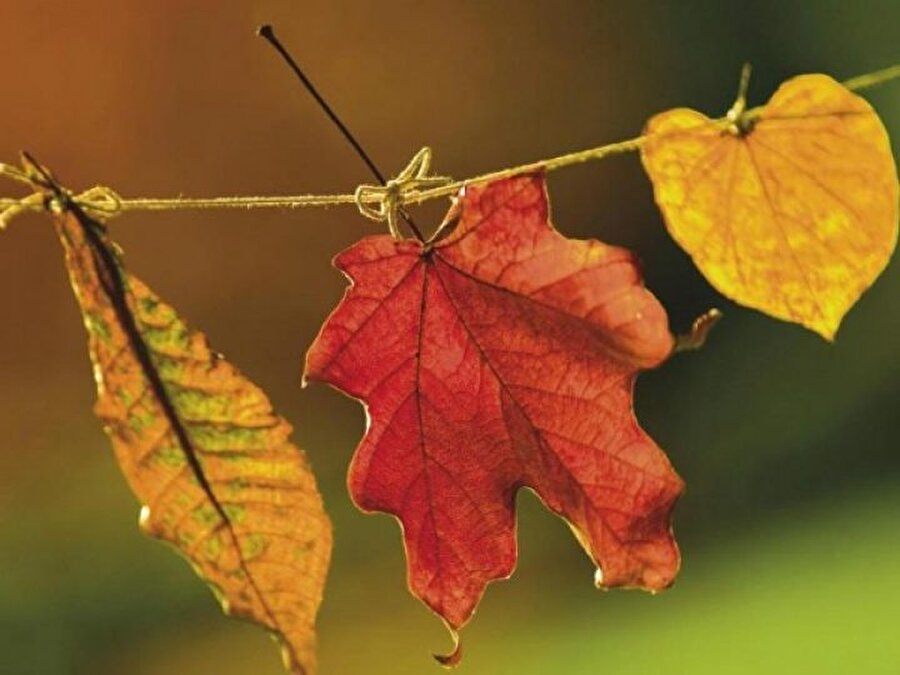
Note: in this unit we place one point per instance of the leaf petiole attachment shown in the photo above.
(740, 123)
(700, 329)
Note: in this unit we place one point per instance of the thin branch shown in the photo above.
(268, 34)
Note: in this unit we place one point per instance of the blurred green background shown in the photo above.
(790, 528)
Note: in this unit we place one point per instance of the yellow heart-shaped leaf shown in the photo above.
(790, 208)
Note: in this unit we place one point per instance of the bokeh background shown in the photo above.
(790, 527)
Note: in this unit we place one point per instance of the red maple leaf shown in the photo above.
(502, 356)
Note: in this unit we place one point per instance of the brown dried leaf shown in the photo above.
(202, 450)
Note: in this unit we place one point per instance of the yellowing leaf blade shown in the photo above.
(202, 450)
(796, 217)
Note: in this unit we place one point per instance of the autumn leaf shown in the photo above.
(790, 208)
(202, 450)
(502, 356)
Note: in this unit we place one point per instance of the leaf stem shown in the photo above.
(268, 34)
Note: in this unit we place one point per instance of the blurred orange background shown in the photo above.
(788, 445)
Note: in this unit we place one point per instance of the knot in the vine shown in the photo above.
(48, 196)
(384, 203)
(99, 201)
